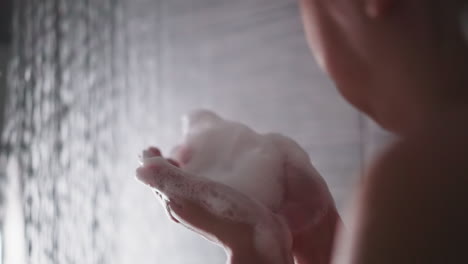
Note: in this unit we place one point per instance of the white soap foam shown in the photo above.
(233, 154)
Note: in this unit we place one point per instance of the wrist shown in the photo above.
(315, 245)
(246, 254)
(263, 246)
(243, 250)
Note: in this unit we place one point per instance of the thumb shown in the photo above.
(162, 175)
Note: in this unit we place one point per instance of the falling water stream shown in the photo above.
(61, 128)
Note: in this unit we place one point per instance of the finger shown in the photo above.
(190, 211)
(160, 174)
(168, 205)
(151, 152)
(178, 185)
(155, 151)
(173, 162)
(192, 215)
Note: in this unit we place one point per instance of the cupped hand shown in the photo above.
(307, 205)
(245, 228)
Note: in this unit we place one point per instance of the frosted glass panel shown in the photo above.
(93, 82)
(62, 123)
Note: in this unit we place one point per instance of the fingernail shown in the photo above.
(155, 151)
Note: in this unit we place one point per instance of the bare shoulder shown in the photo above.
(414, 206)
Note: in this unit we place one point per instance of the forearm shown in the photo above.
(316, 245)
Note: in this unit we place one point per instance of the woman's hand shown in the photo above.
(246, 229)
(307, 205)
(311, 215)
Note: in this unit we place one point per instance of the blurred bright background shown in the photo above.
(85, 85)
